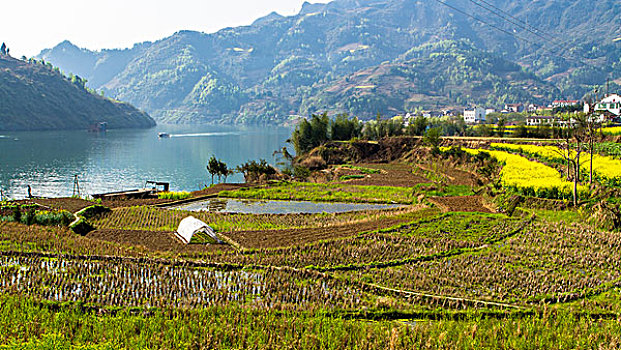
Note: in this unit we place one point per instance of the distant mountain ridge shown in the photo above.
(34, 96)
(329, 55)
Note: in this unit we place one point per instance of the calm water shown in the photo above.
(278, 207)
(125, 159)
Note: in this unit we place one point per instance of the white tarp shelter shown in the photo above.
(190, 226)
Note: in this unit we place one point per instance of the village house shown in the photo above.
(474, 116)
(537, 120)
(514, 108)
(610, 106)
(564, 103)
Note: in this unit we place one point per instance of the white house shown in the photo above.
(475, 116)
(610, 103)
(537, 120)
(564, 103)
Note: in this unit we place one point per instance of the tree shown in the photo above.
(591, 126)
(286, 159)
(308, 135)
(500, 126)
(253, 170)
(418, 127)
(572, 148)
(342, 128)
(3, 49)
(213, 167)
(432, 138)
(223, 170)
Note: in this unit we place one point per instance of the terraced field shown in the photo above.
(449, 265)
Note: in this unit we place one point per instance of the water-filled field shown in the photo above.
(225, 205)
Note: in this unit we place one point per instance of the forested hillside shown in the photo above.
(365, 57)
(36, 96)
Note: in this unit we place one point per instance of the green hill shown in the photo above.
(447, 74)
(281, 66)
(35, 96)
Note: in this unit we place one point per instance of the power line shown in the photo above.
(510, 18)
(516, 19)
(511, 34)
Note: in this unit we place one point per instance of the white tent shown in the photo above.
(190, 226)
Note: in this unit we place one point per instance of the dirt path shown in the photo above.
(463, 203)
(70, 204)
(153, 240)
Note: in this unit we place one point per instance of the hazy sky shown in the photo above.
(28, 26)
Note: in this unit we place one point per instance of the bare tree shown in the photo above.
(572, 147)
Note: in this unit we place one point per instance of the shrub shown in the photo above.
(92, 211)
(254, 170)
(53, 218)
(81, 226)
(174, 195)
(301, 173)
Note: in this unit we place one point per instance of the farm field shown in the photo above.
(452, 268)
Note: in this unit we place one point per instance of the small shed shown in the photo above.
(191, 226)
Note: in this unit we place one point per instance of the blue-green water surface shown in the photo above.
(125, 159)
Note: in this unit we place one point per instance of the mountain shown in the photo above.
(365, 57)
(36, 96)
(445, 74)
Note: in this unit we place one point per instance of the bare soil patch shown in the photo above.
(463, 203)
(215, 189)
(70, 204)
(394, 174)
(459, 177)
(154, 241)
(122, 203)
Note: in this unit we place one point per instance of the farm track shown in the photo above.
(70, 204)
(461, 204)
(154, 241)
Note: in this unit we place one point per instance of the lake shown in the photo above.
(245, 206)
(125, 159)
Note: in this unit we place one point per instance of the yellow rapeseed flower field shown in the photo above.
(605, 167)
(615, 130)
(529, 177)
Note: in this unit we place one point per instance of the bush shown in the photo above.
(314, 163)
(29, 217)
(53, 218)
(81, 227)
(254, 170)
(92, 211)
(301, 173)
(351, 177)
(174, 195)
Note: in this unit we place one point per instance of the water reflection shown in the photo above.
(245, 206)
(125, 159)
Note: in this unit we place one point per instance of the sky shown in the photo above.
(29, 26)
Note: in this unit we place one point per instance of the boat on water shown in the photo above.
(163, 135)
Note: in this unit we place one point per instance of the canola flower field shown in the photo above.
(605, 168)
(529, 177)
